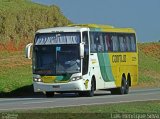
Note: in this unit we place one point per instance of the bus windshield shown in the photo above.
(56, 59)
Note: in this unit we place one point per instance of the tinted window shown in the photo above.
(115, 42)
(108, 42)
(86, 53)
(112, 42)
(133, 43)
(128, 43)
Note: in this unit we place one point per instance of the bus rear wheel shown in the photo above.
(127, 87)
(49, 94)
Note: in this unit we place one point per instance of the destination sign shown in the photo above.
(65, 38)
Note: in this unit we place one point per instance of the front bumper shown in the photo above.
(59, 87)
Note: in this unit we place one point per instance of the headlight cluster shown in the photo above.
(76, 78)
(37, 80)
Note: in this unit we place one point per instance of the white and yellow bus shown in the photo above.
(82, 58)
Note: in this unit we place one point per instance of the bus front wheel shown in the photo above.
(91, 92)
(49, 94)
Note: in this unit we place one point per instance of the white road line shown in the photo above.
(19, 99)
(37, 102)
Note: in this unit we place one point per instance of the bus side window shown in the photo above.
(133, 43)
(128, 43)
(108, 43)
(86, 53)
(101, 45)
(115, 42)
(123, 43)
(93, 47)
(97, 42)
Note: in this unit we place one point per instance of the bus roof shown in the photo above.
(61, 29)
(105, 28)
(83, 27)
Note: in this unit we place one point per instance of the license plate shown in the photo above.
(56, 86)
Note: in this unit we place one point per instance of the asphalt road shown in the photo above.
(65, 100)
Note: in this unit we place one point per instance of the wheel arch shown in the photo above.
(123, 75)
(129, 79)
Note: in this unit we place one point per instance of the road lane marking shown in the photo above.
(38, 102)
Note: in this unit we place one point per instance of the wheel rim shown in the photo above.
(127, 87)
(123, 87)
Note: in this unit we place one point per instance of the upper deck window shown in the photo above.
(57, 38)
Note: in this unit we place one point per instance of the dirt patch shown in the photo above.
(12, 46)
(147, 85)
(152, 49)
(150, 73)
(14, 59)
(154, 76)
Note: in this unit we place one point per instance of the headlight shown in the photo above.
(37, 80)
(76, 78)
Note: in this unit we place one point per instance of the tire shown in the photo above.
(127, 87)
(91, 92)
(49, 94)
(121, 90)
(81, 94)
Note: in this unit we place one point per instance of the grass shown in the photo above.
(15, 72)
(149, 65)
(93, 111)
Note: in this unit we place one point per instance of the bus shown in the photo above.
(83, 58)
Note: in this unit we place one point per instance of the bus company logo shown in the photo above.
(118, 58)
(93, 61)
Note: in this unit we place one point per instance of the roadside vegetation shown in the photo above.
(15, 74)
(147, 110)
(19, 19)
(149, 65)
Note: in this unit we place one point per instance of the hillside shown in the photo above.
(149, 65)
(19, 19)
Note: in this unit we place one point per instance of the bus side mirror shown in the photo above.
(82, 50)
(28, 50)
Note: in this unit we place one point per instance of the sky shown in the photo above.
(142, 15)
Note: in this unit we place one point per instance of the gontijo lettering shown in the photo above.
(118, 58)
